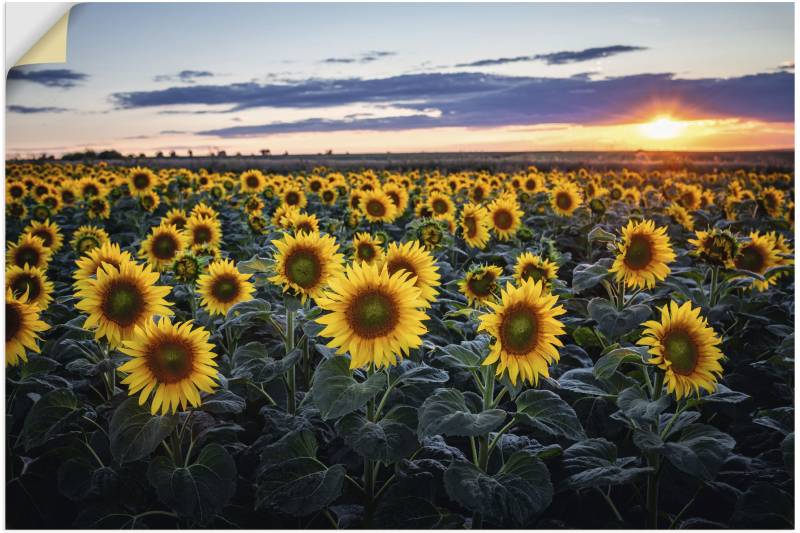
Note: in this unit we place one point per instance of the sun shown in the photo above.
(662, 128)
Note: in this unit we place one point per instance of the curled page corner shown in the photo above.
(51, 47)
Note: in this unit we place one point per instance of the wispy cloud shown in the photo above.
(788, 66)
(367, 57)
(28, 110)
(558, 58)
(63, 78)
(185, 76)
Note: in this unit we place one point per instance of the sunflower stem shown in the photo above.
(290, 374)
(712, 297)
(369, 465)
(653, 462)
(483, 442)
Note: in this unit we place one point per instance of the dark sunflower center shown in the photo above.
(481, 286)
(398, 265)
(164, 247)
(170, 360)
(27, 255)
(519, 329)
(29, 283)
(355, 201)
(440, 206)
(41, 190)
(680, 350)
(372, 314)
(687, 199)
(68, 197)
(17, 192)
(770, 201)
(563, 200)
(533, 272)
(750, 258)
(503, 219)
(315, 186)
(639, 253)
(202, 235)
(478, 194)
(472, 227)
(123, 303)
(252, 182)
(305, 227)
(13, 320)
(141, 181)
(41, 213)
(530, 184)
(394, 197)
(292, 198)
(45, 235)
(366, 251)
(376, 208)
(616, 194)
(225, 288)
(90, 190)
(178, 222)
(87, 243)
(303, 268)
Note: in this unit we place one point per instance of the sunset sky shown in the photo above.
(411, 77)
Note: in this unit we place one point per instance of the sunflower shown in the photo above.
(306, 263)
(203, 210)
(254, 205)
(475, 225)
(41, 213)
(162, 246)
(690, 197)
(643, 255)
(31, 281)
(377, 206)
(68, 193)
(186, 268)
(15, 191)
(119, 299)
(16, 210)
(772, 200)
(328, 195)
(49, 232)
(149, 201)
(716, 247)
(441, 205)
(175, 217)
(223, 287)
(398, 195)
(758, 255)
(685, 347)
(535, 267)
(366, 249)
(374, 315)
(565, 197)
(87, 238)
(505, 217)
(22, 326)
(293, 196)
(480, 284)
(141, 180)
(98, 208)
(203, 231)
(525, 330)
(302, 222)
(174, 360)
(679, 214)
(414, 258)
(28, 250)
(108, 252)
(252, 182)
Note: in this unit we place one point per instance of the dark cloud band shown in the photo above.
(63, 78)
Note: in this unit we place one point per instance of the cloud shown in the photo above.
(63, 78)
(27, 110)
(558, 58)
(367, 57)
(788, 66)
(185, 76)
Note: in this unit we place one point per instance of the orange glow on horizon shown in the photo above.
(662, 127)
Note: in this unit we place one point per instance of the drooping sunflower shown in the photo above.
(223, 286)
(565, 197)
(374, 315)
(173, 361)
(28, 250)
(163, 245)
(758, 255)
(480, 284)
(685, 347)
(119, 299)
(31, 281)
(643, 255)
(203, 231)
(535, 267)
(715, 246)
(22, 328)
(414, 258)
(367, 249)
(505, 217)
(475, 225)
(772, 201)
(109, 252)
(141, 180)
(525, 330)
(679, 214)
(252, 182)
(377, 206)
(48, 231)
(306, 263)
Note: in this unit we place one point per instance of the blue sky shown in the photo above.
(377, 77)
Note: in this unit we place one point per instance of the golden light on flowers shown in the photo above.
(141, 180)
(685, 347)
(480, 284)
(372, 314)
(109, 253)
(31, 281)
(715, 246)
(203, 231)
(22, 328)
(534, 267)
(173, 362)
(119, 299)
(505, 217)
(412, 257)
(163, 245)
(223, 286)
(565, 197)
(305, 263)
(475, 225)
(758, 255)
(680, 215)
(87, 238)
(643, 255)
(252, 181)
(48, 231)
(377, 206)
(525, 331)
(367, 249)
(28, 250)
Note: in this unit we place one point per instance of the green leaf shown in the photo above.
(637, 406)
(299, 486)
(613, 323)
(521, 489)
(223, 401)
(298, 443)
(547, 412)
(255, 265)
(251, 362)
(787, 450)
(467, 354)
(780, 419)
(586, 276)
(336, 392)
(246, 313)
(446, 413)
(699, 451)
(594, 463)
(598, 234)
(199, 490)
(48, 417)
(610, 362)
(134, 433)
(407, 511)
(388, 440)
(723, 395)
(410, 372)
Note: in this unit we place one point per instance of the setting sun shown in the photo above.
(662, 128)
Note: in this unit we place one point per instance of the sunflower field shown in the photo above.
(410, 349)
